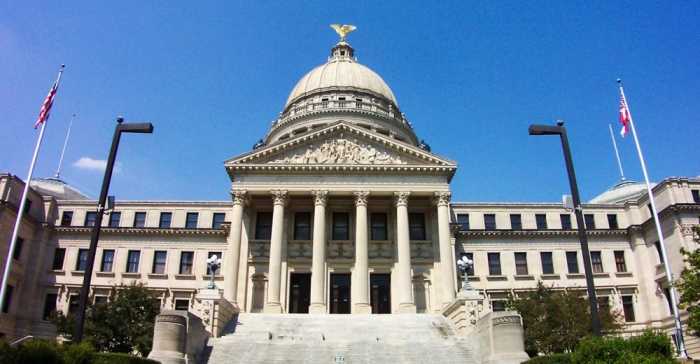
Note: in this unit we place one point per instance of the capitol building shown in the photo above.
(343, 209)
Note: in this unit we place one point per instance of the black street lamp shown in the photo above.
(85, 291)
(561, 131)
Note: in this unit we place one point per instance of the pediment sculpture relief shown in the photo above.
(341, 151)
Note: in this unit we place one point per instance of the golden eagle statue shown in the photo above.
(343, 31)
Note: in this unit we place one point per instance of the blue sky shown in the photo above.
(471, 76)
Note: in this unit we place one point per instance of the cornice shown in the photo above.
(504, 233)
(668, 211)
(139, 231)
(9, 206)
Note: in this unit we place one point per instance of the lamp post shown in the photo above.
(464, 265)
(561, 131)
(213, 263)
(85, 291)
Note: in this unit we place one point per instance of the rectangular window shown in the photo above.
(59, 255)
(416, 226)
(67, 218)
(218, 218)
(547, 263)
(8, 299)
(497, 306)
(81, 264)
(628, 308)
(140, 219)
(206, 266)
(132, 264)
(470, 273)
(565, 221)
(494, 264)
(159, 258)
(612, 221)
(165, 219)
(463, 221)
(191, 221)
(516, 222)
(667, 293)
(589, 221)
(490, 222)
(186, 262)
(603, 303)
(17, 254)
(73, 303)
(341, 226)
(263, 226)
(596, 262)
(49, 305)
(27, 206)
(379, 228)
(572, 262)
(302, 226)
(541, 220)
(696, 195)
(90, 218)
(182, 305)
(521, 264)
(657, 245)
(107, 261)
(620, 261)
(114, 218)
(100, 300)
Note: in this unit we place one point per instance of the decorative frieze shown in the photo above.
(340, 249)
(421, 250)
(259, 249)
(380, 250)
(171, 319)
(506, 320)
(300, 249)
(341, 151)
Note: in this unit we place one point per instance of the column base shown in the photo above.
(317, 308)
(407, 308)
(272, 307)
(363, 309)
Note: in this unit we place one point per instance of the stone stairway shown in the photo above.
(291, 338)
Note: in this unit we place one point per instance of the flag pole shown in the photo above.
(60, 161)
(680, 345)
(20, 212)
(619, 163)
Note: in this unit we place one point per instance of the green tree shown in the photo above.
(689, 287)
(557, 321)
(124, 324)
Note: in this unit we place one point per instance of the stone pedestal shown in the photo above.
(216, 310)
(178, 338)
(499, 336)
(464, 311)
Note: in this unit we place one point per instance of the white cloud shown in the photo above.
(96, 164)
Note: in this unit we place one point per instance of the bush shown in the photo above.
(50, 352)
(649, 348)
(120, 358)
(551, 359)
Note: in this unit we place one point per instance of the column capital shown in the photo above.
(443, 198)
(279, 196)
(401, 197)
(320, 197)
(361, 198)
(239, 196)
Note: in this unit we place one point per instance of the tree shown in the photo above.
(124, 324)
(689, 287)
(557, 321)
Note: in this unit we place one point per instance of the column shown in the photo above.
(233, 255)
(318, 263)
(361, 281)
(448, 279)
(273, 304)
(403, 271)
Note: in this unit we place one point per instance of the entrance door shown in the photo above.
(299, 292)
(340, 293)
(381, 293)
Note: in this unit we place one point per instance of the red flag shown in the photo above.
(624, 117)
(46, 108)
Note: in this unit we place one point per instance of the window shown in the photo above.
(696, 195)
(186, 262)
(547, 263)
(165, 219)
(302, 226)
(497, 306)
(596, 262)
(490, 222)
(90, 218)
(612, 222)
(17, 254)
(107, 261)
(603, 303)
(27, 206)
(114, 218)
(572, 262)
(341, 226)
(620, 261)
(589, 221)
(416, 226)
(132, 263)
(219, 217)
(49, 305)
(657, 245)
(521, 264)
(470, 273)
(159, 258)
(182, 305)
(8, 298)
(494, 264)
(667, 293)
(263, 226)
(67, 218)
(73, 303)
(628, 308)
(191, 222)
(463, 220)
(541, 220)
(206, 266)
(379, 229)
(59, 255)
(100, 300)
(81, 264)
(140, 219)
(565, 221)
(516, 222)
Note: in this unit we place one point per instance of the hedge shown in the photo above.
(50, 352)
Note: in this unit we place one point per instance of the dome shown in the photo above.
(57, 188)
(622, 192)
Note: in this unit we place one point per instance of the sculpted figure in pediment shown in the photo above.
(341, 151)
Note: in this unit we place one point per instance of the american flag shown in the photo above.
(46, 108)
(624, 117)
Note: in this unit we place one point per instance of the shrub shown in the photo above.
(649, 348)
(551, 359)
(120, 358)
